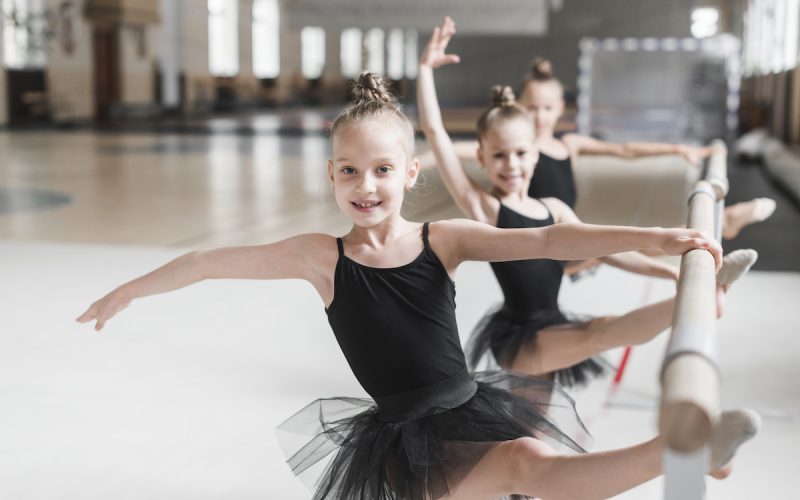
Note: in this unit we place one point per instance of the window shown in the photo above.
(411, 54)
(24, 42)
(705, 21)
(350, 55)
(394, 54)
(266, 39)
(771, 36)
(312, 47)
(223, 37)
(374, 45)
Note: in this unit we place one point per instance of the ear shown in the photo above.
(330, 172)
(479, 155)
(412, 174)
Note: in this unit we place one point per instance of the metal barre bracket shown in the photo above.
(703, 188)
(689, 340)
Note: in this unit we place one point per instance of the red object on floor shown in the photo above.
(622, 364)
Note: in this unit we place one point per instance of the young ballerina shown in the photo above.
(542, 94)
(529, 333)
(433, 430)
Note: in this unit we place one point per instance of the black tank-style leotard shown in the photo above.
(530, 291)
(554, 178)
(431, 420)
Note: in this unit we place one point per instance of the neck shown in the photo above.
(545, 134)
(380, 234)
(512, 197)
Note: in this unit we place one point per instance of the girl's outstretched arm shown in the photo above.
(468, 240)
(634, 262)
(298, 257)
(639, 263)
(579, 144)
(468, 195)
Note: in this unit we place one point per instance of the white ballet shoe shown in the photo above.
(746, 213)
(734, 428)
(735, 265)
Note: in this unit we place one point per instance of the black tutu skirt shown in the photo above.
(501, 333)
(347, 450)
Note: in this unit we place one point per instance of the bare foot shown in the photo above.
(734, 428)
(740, 215)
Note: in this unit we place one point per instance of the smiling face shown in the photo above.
(545, 102)
(370, 171)
(508, 154)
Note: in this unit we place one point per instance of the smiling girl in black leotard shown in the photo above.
(431, 429)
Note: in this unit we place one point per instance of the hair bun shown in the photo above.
(541, 69)
(502, 96)
(370, 87)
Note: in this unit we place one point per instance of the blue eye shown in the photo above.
(348, 170)
(384, 169)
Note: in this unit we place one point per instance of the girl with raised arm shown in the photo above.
(529, 333)
(431, 429)
(542, 94)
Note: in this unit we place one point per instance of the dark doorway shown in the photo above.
(106, 71)
(27, 97)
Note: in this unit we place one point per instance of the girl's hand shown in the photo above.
(434, 54)
(695, 155)
(680, 241)
(104, 309)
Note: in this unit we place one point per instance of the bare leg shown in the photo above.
(560, 347)
(530, 467)
(563, 346)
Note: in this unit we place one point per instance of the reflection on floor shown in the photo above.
(179, 397)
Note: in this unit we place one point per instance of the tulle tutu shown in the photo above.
(501, 333)
(423, 457)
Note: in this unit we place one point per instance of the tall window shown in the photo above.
(266, 39)
(351, 49)
(394, 54)
(375, 50)
(24, 42)
(411, 54)
(223, 37)
(705, 22)
(771, 36)
(312, 48)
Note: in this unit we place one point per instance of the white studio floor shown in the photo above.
(179, 396)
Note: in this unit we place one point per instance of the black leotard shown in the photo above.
(530, 291)
(554, 178)
(431, 420)
(528, 284)
(397, 326)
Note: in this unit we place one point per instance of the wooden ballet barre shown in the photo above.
(690, 397)
(717, 174)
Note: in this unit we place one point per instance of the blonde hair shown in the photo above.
(503, 108)
(541, 71)
(370, 98)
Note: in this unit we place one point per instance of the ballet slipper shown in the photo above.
(734, 428)
(735, 265)
(743, 214)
